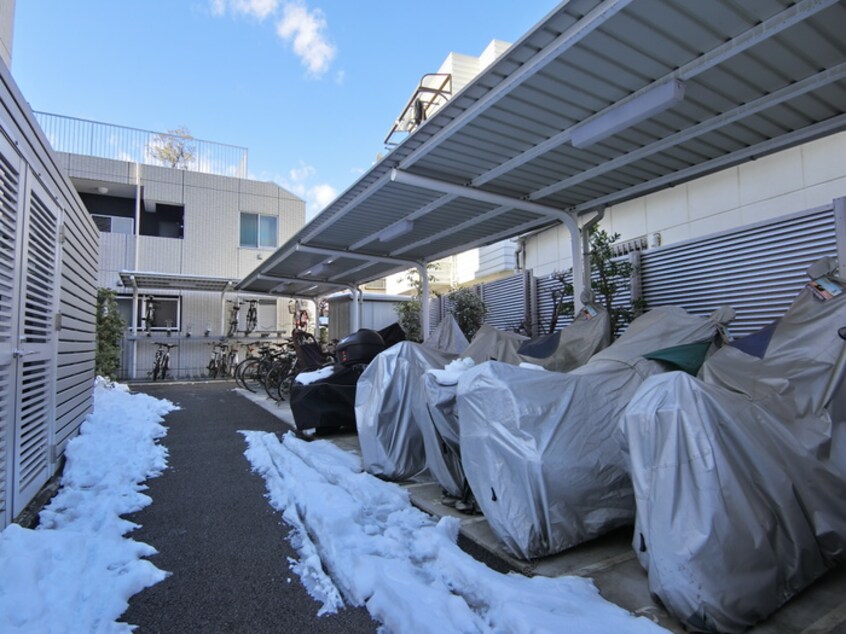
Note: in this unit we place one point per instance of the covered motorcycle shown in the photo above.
(390, 440)
(738, 506)
(538, 449)
(561, 351)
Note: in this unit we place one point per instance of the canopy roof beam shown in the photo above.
(356, 255)
(419, 213)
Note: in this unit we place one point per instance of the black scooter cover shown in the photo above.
(327, 403)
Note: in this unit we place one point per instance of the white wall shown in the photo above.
(792, 180)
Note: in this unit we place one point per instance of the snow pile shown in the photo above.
(454, 369)
(76, 571)
(361, 542)
(307, 378)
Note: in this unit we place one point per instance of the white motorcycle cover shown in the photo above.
(738, 507)
(537, 447)
(589, 333)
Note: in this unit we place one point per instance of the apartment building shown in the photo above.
(176, 237)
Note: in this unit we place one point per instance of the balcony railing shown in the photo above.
(92, 138)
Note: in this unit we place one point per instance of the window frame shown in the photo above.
(259, 232)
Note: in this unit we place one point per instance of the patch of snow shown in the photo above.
(77, 571)
(362, 543)
(307, 378)
(454, 369)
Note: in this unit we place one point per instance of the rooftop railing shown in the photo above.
(166, 149)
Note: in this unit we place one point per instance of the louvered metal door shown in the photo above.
(9, 280)
(757, 269)
(36, 344)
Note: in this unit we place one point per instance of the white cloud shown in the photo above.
(321, 195)
(256, 8)
(316, 196)
(301, 173)
(305, 30)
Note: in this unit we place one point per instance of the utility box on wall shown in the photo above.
(377, 311)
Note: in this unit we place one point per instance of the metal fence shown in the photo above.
(92, 138)
(757, 269)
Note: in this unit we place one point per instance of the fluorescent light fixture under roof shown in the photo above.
(396, 230)
(318, 269)
(619, 117)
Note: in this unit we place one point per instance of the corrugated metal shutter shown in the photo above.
(9, 187)
(758, 270)
(507, 302)
(545, 303)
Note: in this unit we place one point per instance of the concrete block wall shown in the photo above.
(799, 178)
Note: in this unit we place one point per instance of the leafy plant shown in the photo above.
(468, 309)
(110, 327)
(174, 148)
(408, 313)
(609, 276)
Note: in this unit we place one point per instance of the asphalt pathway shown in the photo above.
(215, 531)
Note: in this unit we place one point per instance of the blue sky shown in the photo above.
(310, 87)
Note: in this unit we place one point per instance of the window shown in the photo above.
(114, 224)
(258, 231)
(165, 313)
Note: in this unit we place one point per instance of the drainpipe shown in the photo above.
(424, 299)
(223, 308)
(586, 248)
(137, 214)
(134, 363)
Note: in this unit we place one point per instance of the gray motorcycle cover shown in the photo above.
(589, 333)
(537, 447)
(391, 445)
(447, 337)
(738, 507)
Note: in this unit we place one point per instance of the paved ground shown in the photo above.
(226, 546)
(216, 532)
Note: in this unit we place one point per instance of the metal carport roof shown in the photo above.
(600, 103)
(175, 281)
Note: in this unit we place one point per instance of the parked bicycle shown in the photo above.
(233, 318)
(252, 317)
(217, 363)
(224, 360)
(161, 362)
(149, 315)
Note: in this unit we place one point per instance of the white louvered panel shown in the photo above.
(33, 428)
(505, 301)
(758, 269)
(9, 212)
(37, 341)
(41, 271)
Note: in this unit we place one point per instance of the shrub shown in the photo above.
(469, 311)
(110, 327)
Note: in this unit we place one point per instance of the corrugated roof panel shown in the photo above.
(530, 95)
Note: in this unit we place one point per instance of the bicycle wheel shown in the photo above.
(164, 367)
(239, 371)
(251, 376)
(285, 385)
(276, 376)
(157, 364)
(212, 367)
